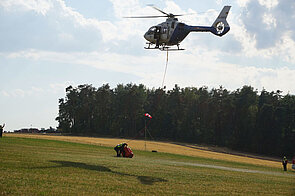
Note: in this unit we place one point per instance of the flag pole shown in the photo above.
(145, 134)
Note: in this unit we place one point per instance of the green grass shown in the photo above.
(46, 167)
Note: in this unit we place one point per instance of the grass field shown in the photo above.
(159, 146)
(30, 166)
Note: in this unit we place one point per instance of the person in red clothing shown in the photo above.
(293, 163)
(127, 152)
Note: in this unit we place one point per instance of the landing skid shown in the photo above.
(162, 47)
(170, 49)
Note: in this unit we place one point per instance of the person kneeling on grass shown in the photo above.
(127, 152)
(120, 149)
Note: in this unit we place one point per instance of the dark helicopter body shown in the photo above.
(172, 32)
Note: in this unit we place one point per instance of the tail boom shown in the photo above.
(220, 26)
(212, 29)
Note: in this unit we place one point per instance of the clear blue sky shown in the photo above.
(47, 45)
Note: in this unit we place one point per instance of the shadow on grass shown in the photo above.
(81, 165)
(147, 180)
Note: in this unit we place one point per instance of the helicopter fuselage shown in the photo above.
(171, 32)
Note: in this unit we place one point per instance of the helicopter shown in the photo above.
(172, 32)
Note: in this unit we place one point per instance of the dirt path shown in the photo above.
(158, 146)
(231, 169)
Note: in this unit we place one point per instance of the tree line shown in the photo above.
(244, 119)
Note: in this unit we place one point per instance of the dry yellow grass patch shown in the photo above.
(159, 146)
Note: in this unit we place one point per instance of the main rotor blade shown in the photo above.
(166, 15)
(169, 15)
(184, 14)
(145, 17)
(159, 10)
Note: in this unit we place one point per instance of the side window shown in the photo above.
(165, 30)
(172, 25)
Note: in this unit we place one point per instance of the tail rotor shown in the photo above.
(220, 25)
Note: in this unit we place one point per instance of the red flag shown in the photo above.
(148, 115)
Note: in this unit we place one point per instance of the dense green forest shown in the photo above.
(245, 119)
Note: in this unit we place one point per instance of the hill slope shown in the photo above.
(159, 146)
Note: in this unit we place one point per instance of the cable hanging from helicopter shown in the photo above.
(172, 32)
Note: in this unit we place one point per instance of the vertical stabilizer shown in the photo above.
(220, 24)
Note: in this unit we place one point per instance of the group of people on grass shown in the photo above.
(285, 162)
(123, 150)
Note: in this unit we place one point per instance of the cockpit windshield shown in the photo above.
(152, 30)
